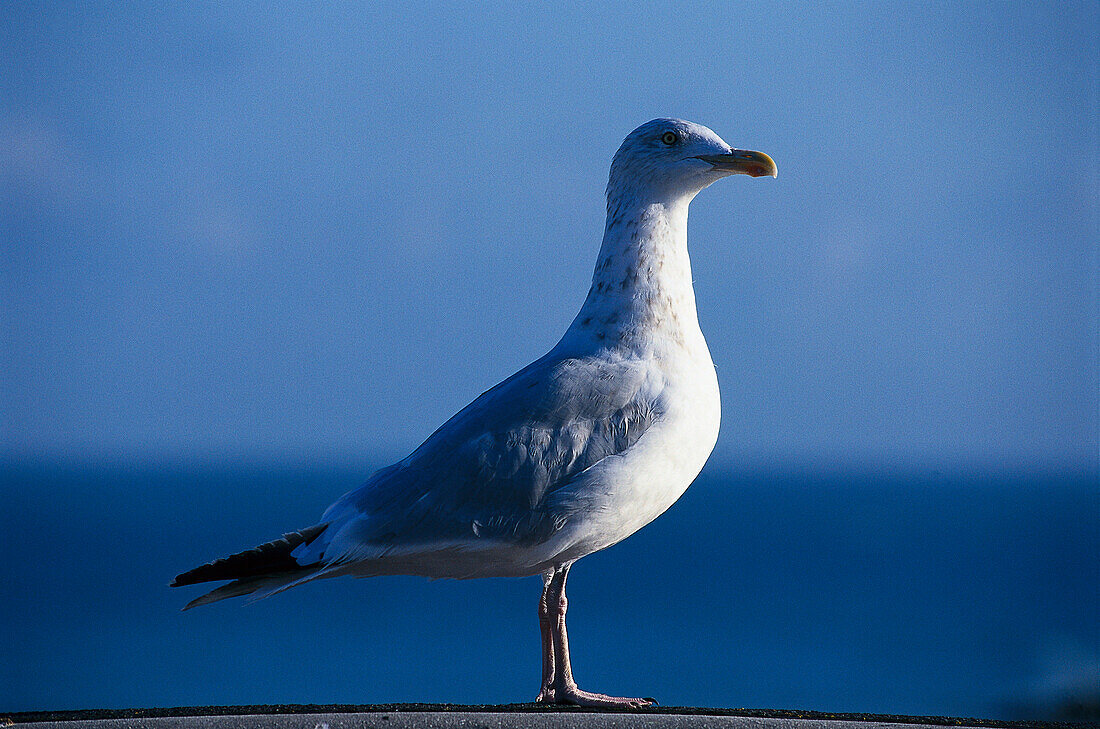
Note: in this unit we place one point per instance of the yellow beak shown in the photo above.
(742, 162)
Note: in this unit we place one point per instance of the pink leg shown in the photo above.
(546, 624)
(561, 688)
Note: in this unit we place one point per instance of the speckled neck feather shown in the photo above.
(642, 296)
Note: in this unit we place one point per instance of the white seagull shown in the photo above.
(573, 453)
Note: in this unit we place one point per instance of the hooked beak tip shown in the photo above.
(743, 162)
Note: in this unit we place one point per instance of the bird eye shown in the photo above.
(670, 138)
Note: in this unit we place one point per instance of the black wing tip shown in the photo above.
(203, 573)
(268, 558)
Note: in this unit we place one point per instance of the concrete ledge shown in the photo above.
(446, 716)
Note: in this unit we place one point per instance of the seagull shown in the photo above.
(570, 455)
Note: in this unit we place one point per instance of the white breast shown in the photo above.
(635, 488)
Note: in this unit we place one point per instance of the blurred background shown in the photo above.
(253, 251)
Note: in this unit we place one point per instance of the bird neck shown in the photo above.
(642, 297)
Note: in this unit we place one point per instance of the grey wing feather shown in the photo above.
(488, 470)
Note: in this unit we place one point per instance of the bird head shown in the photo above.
(673, 159)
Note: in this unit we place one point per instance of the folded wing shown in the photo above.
(486, 473)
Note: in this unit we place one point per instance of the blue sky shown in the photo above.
(246, 231)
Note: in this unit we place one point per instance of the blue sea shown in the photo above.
(918, 593)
